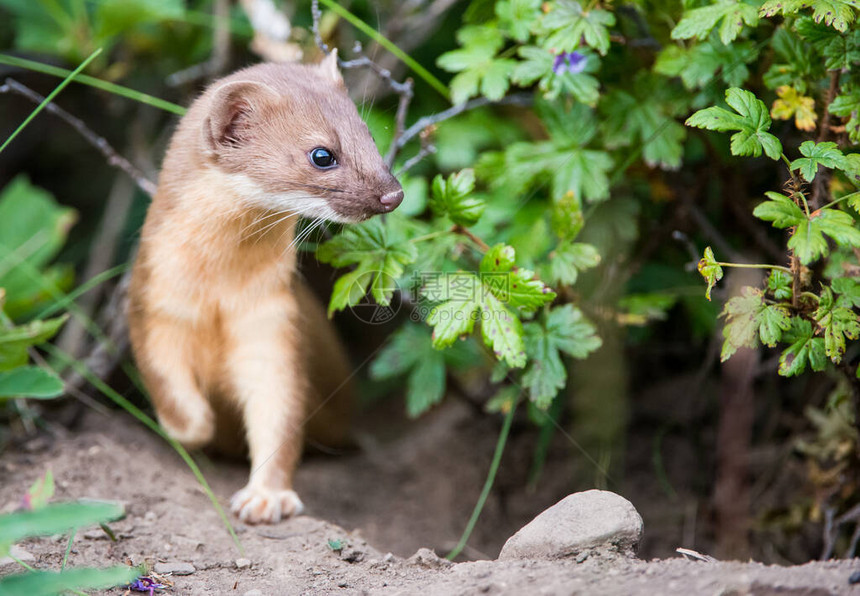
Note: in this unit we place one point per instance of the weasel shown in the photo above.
(232, 347)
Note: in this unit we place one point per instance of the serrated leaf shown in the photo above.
(817, 154)
(837, 322)
(569, 258)
(804, 349)
(752, 122)
(710, 270)
(518, 16)
(453, 197)
(700, 64)
(791, 103)
(847, 105)
(749, 318)
(563, 330)
(698, 22)
(836, 13)
(476, 64)
(808, 240)
(566, 24)
(779, 284)
(781, 210)
(380, 258)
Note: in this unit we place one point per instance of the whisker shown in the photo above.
(262, 231)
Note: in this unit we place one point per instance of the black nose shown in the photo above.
(391, 200)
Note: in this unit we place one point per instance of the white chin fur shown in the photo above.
(303, 203)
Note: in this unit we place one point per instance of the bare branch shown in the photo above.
(519, 99)
(100, 143)
(427, 148)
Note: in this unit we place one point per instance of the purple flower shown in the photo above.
(146, 584)
(572, 62)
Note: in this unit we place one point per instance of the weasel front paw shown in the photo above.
(257, 505)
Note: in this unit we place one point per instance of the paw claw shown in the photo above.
(257, 505)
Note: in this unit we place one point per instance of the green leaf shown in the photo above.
(835, 13)
(698, 22)
(808, 240)
(818, 154)
(749, 318)
(452, 197)
(566, 218)
(646, 120)
(33, 229)
(700, 64)
(51, 583)
(847, 105)
(804, 349)
(502, 332)
(781, 210)
(837, 322)
(752, 122)
(518, 16)
(710, 270)
(562, 330)
(569, 258)
(779, 284)
(29, 381)
(15, 341)
(113, 17)
(566, 24)
(380, 255)
(476, 64)
(410, 352)
(514, 287)
(56, 519)
(537, 65)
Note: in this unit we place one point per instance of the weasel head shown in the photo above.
(289, 139)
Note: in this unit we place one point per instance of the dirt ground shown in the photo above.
(400, 493)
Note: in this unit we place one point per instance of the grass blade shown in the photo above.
(54, 519)
(422, 72)
(488, 484)
(132, 94)
(129, 407)
(44, 583)
(50, 97)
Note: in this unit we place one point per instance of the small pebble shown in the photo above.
(95, 535)
(20, 554)
(150, 517)
(176, 568)
(855, 578)
(243, 563)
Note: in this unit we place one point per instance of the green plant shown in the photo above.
(42, 519)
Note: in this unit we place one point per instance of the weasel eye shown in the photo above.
(323, 158)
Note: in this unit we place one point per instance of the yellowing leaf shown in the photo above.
(791, 103)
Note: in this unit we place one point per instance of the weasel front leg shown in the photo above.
(266, 378)
(162, 351)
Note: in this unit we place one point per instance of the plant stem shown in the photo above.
(796, 183)
(50, 97)
(68, 549)
(429, 236)
(754, 266)
(85, 287)
(94, 82)
(381, 40)
(491, 477)
(129, 407)
(458, 229)
(840, 199)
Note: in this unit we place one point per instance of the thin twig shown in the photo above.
(100, 143)
(519, 99)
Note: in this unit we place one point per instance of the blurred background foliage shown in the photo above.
(590, 180)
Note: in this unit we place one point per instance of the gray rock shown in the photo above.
(243, 563)
(424, 557)
(594, 520)
(175, 567)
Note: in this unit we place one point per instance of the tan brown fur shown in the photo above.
(229, 342)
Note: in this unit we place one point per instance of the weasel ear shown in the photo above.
(329, 69)
(230, 114)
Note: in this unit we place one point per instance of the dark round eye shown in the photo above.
(323, 158)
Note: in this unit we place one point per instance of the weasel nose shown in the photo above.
(391, 200)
